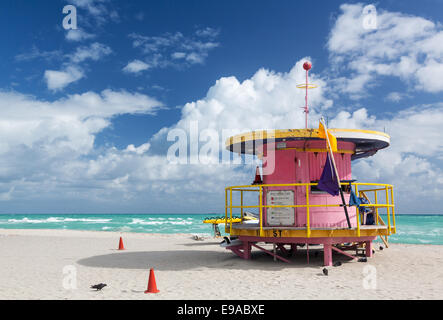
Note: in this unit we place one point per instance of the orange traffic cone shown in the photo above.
(152, 286)
(258, 179)
(120, 245)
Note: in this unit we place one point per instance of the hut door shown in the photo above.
(301, 176)
(284, 173)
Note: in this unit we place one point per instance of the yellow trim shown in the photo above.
(289, 133)
(388, 211)
(376, 201)
(393, 211)
(241, 202)
(261, 210)
(301, 233)
(309, 85)
(230, 210)
(379, 189)
(310, 206)
(226, 210)
(362, 131)
(303, 184)
(316, 150)
(357, 215)
(308, 229)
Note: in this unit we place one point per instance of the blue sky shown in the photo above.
(83, 111)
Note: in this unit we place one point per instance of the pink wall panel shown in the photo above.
(291, 166)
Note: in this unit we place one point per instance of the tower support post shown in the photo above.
(368, 249)
(246, 250)
(327, 254)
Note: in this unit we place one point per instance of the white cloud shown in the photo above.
(99, 11)
(71, 71)
(396, 96)
(178, 55)
(358, 119)
(415, 155)
(71, 121)
(412, 163)
(208, 32)
(136, 66)
(230, 104)
(58, 80)
(35, 53)
(402, 46)
(430, 76)
(50, 147)
(95, 51)
(59, 137)
(78, 35)
(173, 49)
(195, 58)
(138, 150)
(46, 145)
(92, 6)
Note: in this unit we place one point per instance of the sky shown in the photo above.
(87, 111)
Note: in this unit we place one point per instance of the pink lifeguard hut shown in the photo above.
(292, 209)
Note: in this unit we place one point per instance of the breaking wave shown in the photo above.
(413, 229)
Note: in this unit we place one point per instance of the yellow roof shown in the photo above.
(367, 142)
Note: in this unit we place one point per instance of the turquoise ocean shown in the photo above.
(412, 229)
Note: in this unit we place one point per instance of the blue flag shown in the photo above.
(328, 180)
(353, 199)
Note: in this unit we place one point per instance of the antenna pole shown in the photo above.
(307, 66)
(306, 99)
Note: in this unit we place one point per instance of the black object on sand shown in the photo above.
(325, 271)
(99, 286)
(381, 248)
(362, 260)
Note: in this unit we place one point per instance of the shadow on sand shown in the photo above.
(177, 260)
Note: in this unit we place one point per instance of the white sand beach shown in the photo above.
(32, 264)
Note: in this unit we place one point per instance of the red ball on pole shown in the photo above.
(307, 65)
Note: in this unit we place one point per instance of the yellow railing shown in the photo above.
(389, 194)
(374, 187)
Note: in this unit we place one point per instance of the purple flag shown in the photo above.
(328, 180)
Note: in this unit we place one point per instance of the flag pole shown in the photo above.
(331, 155)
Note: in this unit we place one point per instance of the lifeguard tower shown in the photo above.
(291, 210)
